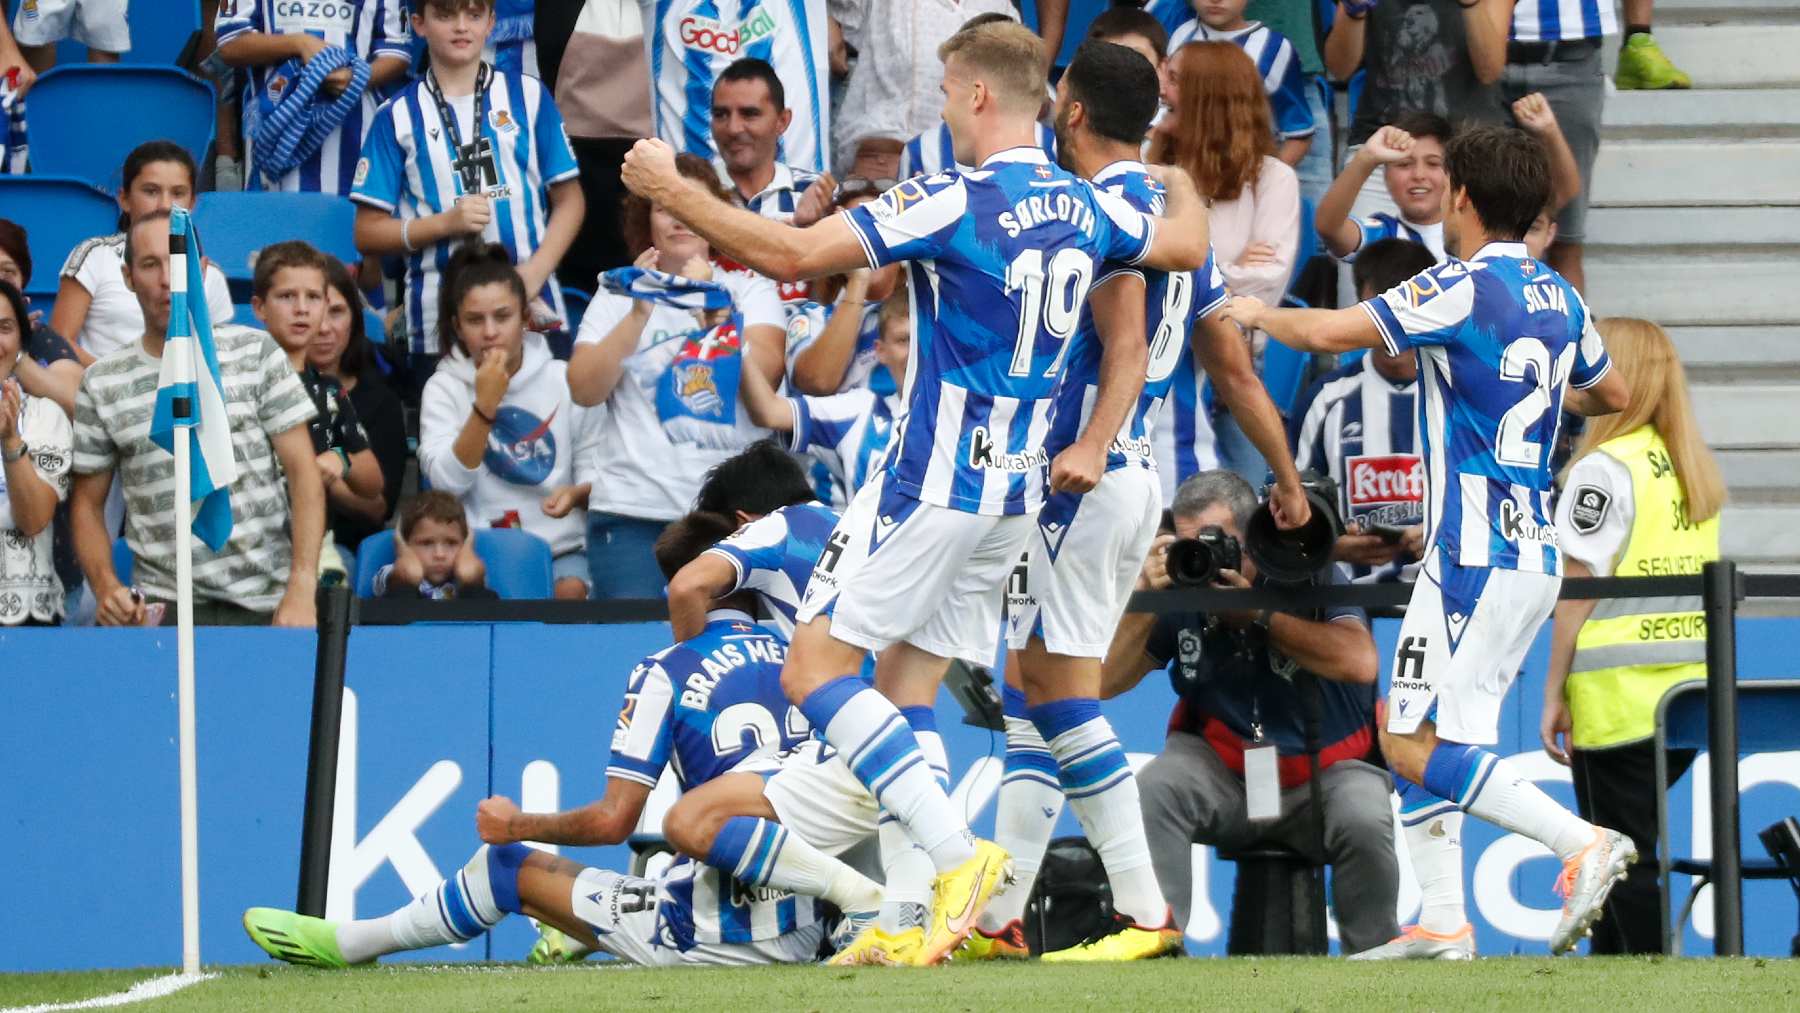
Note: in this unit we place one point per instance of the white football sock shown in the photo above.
(1510, 801)
(1104, 794)
(459, 909)
(1031, 799)
(1434, 843)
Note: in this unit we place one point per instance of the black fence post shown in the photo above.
(335, 604)
(1721, 600)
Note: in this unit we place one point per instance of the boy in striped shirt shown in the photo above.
(1410, 155)
(467, 151)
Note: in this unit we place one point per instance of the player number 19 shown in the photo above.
(1522, 357)
(1054, 296)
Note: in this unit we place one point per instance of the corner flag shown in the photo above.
(188, 394)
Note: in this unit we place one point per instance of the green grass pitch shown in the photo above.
(1539, 985)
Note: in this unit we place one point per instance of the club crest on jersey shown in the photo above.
(521, 449)
(502, 121)
(898, 199)
(1043, 172)
(984, 454)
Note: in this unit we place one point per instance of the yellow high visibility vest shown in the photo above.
(1631, 650)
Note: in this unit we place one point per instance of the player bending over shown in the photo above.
(1002, 261)
(679, 708)
(1503, 344)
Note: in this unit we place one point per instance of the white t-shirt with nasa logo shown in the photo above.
(639, 470)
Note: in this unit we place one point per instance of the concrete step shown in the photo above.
(1761, 475)
(1697, 173)
(1708, 12)
(1702, 290)
(1745, 228)
(1760, 533)
(1710, 112)
(1747, 51)
(1719, 355)
(1744, 416)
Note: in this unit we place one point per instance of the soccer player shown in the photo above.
(690, 44)
(273, 40)
(1503, 344)
(467, 151)
(1003, 257)
(1410, 153)
(706, 706)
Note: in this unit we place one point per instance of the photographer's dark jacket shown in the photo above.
(1229, 678)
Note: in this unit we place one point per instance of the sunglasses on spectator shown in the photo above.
(861, 186)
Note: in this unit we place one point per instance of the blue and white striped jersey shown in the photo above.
(1560, 20)
(932, 152)
(1499, 339)
(1275, 59)
(807, 320)
(699, 904)
(848, 433)
(366, 28)
(774, 556)
(512, 46)
(1002, 258)
(14, 141)
(689, 42)
(777, 200)
(704, 706)
(1182, 439)
(1361, 429)
(1172, 302)
(1382, 225)
(407, 169)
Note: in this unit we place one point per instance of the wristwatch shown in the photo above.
(8, 456)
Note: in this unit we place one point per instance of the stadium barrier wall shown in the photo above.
(438, 716)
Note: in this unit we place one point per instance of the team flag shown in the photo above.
(188, 394)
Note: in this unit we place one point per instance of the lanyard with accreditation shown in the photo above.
(473, 162)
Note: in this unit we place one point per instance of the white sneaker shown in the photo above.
(1585, 881)
(1416, 943)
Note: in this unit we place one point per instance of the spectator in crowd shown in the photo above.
(689, 46)
(99, 25)
(1136, 29)
(646, 478)
(13, 65)
(893, 92)
(268, 569)
(35, 451)
(1642, 497)
(289, 299)
(1534, 115)
(1245, 679)
(1358, 426)
(94, 308)
(1410, 155)
(1219, 132)
(496, 426)
(276, 42)
(1276, 66)
(341, 353)
(1642, 65)
(434, 553)
(831, 342)
(499, 159)
(931, 151)
(50, 367)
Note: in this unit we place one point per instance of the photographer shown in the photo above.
(1247, 682)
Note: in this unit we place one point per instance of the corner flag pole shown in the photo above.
(184, 635)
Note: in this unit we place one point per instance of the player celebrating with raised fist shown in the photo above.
(1003, 258)
(1504, 343)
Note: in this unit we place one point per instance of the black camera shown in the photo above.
(1196, 562)
(1297, 556)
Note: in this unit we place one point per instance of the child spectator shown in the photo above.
(496, 426)
(290, 300)
(1276, 65)
(94, 308)
(340, 351)
(100, 25)
(434, 553)
(831, 342)
(467, 151)
(277, 42)
(1410, 153)
(35, 451)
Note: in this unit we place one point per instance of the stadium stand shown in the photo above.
(58, 213)
(85, 119)
(233, 226)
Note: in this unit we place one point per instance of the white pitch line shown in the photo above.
(154, 988)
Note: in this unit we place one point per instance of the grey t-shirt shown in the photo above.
(1416, 53)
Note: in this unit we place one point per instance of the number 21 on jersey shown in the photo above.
(1528, 360)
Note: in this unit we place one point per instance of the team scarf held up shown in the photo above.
(291, 118)
(697, 396)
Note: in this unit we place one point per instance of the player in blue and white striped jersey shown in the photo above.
(467, 151)
(1503, 344)
(1359, 426)
(1002, 258)
(1275, 59)
(690, 42)
(274, 38)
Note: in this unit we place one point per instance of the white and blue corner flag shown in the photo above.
(188, 394)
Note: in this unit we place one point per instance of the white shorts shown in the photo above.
(1082, 563)
(818, 799)
(96, 24)
(1466, 632)
(622, 912)
(897, 570)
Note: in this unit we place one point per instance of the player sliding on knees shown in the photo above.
(679, 709)
(1096, 526)
(1002, 261)
(1504, 344)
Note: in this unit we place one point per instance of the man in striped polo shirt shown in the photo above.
(267, 570)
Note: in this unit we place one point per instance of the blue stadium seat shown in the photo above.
(57, 213)
(518, 562)
(1284, 369)
(86, 118)
(233, 226)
